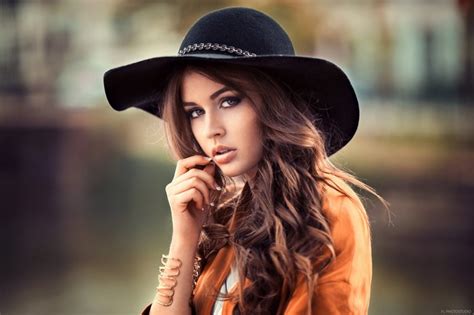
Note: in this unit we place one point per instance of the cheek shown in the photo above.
(195, 131)
(197, 134)
(251, 133)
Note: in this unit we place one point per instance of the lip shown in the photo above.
(226, 157)
(220, 148)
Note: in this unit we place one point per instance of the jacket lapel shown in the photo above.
(211, 280)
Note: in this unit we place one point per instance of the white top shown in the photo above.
(229, 282)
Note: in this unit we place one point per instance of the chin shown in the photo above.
(233, 170)
(229, 172)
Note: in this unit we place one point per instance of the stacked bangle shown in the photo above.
(167, 279)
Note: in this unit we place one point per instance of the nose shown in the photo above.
(214, 126)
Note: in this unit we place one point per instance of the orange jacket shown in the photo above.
(342, 288)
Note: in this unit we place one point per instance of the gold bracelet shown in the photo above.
(171, 272)
(165, 259)
(167, 279)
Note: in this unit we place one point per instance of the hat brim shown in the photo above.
(324, 84)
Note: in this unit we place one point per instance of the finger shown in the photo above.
(193, 182)
(189, 195)
(210, 168)
(202, 174)
(184, 165)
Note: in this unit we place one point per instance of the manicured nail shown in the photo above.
(208, 158)
(219, 188)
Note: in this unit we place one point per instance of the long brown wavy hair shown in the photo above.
(275, 222)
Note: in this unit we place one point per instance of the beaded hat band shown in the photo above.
(210, 46)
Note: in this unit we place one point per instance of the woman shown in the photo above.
(263, 223)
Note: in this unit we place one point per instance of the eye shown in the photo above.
(231, 101)
(193, 113)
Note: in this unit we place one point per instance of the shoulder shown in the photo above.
(344, 286)
(346, 215)
(351, 233)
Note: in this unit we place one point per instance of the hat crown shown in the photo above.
(236, 30)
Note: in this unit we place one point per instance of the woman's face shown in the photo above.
(221, 117)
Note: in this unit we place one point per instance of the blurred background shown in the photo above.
(84, 216)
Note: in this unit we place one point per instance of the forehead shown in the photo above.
(197, 85)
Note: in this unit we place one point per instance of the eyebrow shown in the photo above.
(212, 97)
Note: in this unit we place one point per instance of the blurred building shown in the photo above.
(54, 53)
(83, 210)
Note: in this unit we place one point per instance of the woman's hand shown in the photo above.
(189, 196)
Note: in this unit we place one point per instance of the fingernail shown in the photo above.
(208, 158)
(219, 188)
(212, 204)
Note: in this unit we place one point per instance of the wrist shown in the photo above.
(183, 245)
(186, 235)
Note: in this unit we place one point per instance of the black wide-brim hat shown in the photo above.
(244, 36)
